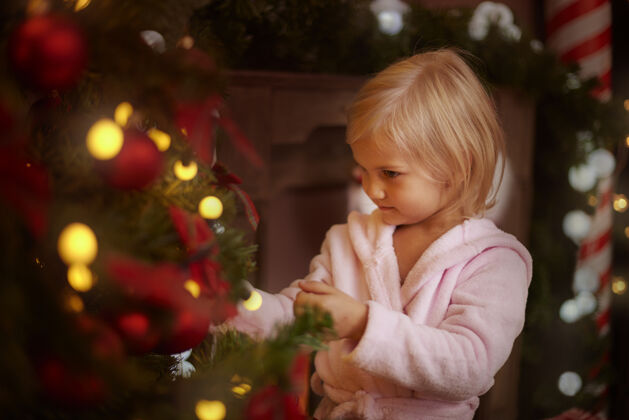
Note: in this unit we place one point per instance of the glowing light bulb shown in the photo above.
(619, 285)
(193, 287)
(210, 410)
(122, 113)
(104, 139)
(74, 303)
(627, 141)
(569, 311)
(254, 301)
(162, 140)
(185, 173)
(569, 383)
(77, 244)
(211, 207)
(37, 7)
(186, 42)
(242, 389)
(626, 103)
(620, 203)
(81, 4)
(592, 200)
(80, 277)
(627, 231)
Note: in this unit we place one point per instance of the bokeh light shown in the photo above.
(185, 172)
(211, 207)
(192, 287)
(210, 410)
(161, 139)
(254, 301)
(77, 244)
(104, 139)
(122, 113)
(80, 277)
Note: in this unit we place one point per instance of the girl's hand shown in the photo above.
(349, 315)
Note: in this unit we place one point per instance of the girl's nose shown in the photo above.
(373, 189)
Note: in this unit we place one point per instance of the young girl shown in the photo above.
(426, 295)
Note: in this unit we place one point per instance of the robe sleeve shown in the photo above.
(457, 359)
(277, 309)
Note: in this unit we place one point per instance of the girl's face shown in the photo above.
(400, 189)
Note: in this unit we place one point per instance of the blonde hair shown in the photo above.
(435, 110)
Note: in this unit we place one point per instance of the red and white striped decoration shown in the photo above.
(580, 30)
(595, 251)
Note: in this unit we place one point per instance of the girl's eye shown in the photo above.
(389, 174)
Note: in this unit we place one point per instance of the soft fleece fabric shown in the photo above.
(433, 343)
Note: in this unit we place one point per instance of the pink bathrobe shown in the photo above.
(432, 343)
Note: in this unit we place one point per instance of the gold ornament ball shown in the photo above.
(211, 207)
(77, 244)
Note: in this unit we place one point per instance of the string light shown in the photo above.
(162, 140)
(626, 104)
(77, 244)
(241, 389)
(254, 301)
(569, 311)
(192, 287)
(186, 42)
(620, 203)
(74, 303)
(104, 139)
(122, 113)
(210, 410)
(37, 7)
(592, 200)
(619, 285)
(211, 207)
(627, 141)
(81, 4)
(185, 172)
(627, 231)
(569, 383)
(80, 277)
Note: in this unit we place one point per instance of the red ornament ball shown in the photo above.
(48, 52)
(188, 330)
(137, 332)
(136, 166)
(70, 386)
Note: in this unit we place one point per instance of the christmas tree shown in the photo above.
(124, 240)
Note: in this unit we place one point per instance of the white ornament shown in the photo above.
(586, 302)
(511, 32)
(582, 177)
(572, 81)
(155, 40)
(603, 162)
(183, 368)
(569, 383)
(389, 14)
(576, 225)
(488, 13)
(585, 280)
(569, 311)
(585, 139)
(537, 45)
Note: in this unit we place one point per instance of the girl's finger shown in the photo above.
(316, 287)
